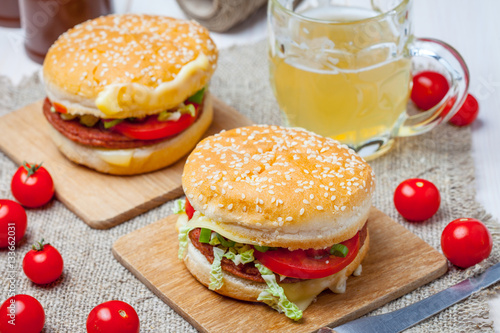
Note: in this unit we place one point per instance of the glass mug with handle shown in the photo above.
(342, 69)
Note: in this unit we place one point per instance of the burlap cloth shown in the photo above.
(92, 275)
(220, 15)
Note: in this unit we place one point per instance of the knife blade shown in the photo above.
(411, 315)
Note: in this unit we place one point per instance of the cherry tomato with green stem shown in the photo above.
(32, 185)
(43, 263)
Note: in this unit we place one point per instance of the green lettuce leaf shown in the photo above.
(179, 206)
(183, 240)
(240, 254)
(274, 295)
(214, 240)
(197, 97)
(189, 108)
(216, 270)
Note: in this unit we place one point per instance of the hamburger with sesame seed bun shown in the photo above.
(274, 214)
(127, 94)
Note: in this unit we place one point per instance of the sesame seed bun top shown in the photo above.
(277, 186)
(119, 66)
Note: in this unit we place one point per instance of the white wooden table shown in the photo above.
(472, 27)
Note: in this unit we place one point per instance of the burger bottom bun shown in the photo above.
(247, 290)
(136, 160)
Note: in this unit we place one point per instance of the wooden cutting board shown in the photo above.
(397, 263)
(101, 200)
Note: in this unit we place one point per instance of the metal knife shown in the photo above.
(411, 315)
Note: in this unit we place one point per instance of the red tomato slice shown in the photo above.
(151, 128)
(59, 107)
(189, 209)
(304, 264)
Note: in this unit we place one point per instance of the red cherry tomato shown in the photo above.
(417, 199)
(467, 113)
(13, 223)
(43, 264)
(189, 209)
(305, 264)
(113, 317)
(21, 314)
(429, 88)
(32, 185)
(152, 128)
(466, 242)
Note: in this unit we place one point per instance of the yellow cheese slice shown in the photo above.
(200, 221)
(120, 157)
(303, 293)
(121, 98)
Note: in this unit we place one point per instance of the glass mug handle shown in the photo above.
(458, 72)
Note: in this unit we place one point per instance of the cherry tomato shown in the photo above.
(32, 185)
(189, 209)
(466, 242)
(467, 113)
(21, 314)
(429, 88)
(43, 264)
(417, 199)
(304, 264)
(113, 317)
(13, 223)
(152, 128)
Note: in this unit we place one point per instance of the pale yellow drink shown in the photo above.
(339, 87)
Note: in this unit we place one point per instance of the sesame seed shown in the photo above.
(305, 201)
(302, 210)
(319, 207)
(289, 218)
(230, 206)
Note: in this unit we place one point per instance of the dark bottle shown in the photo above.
(45, 20)
(9, 14)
